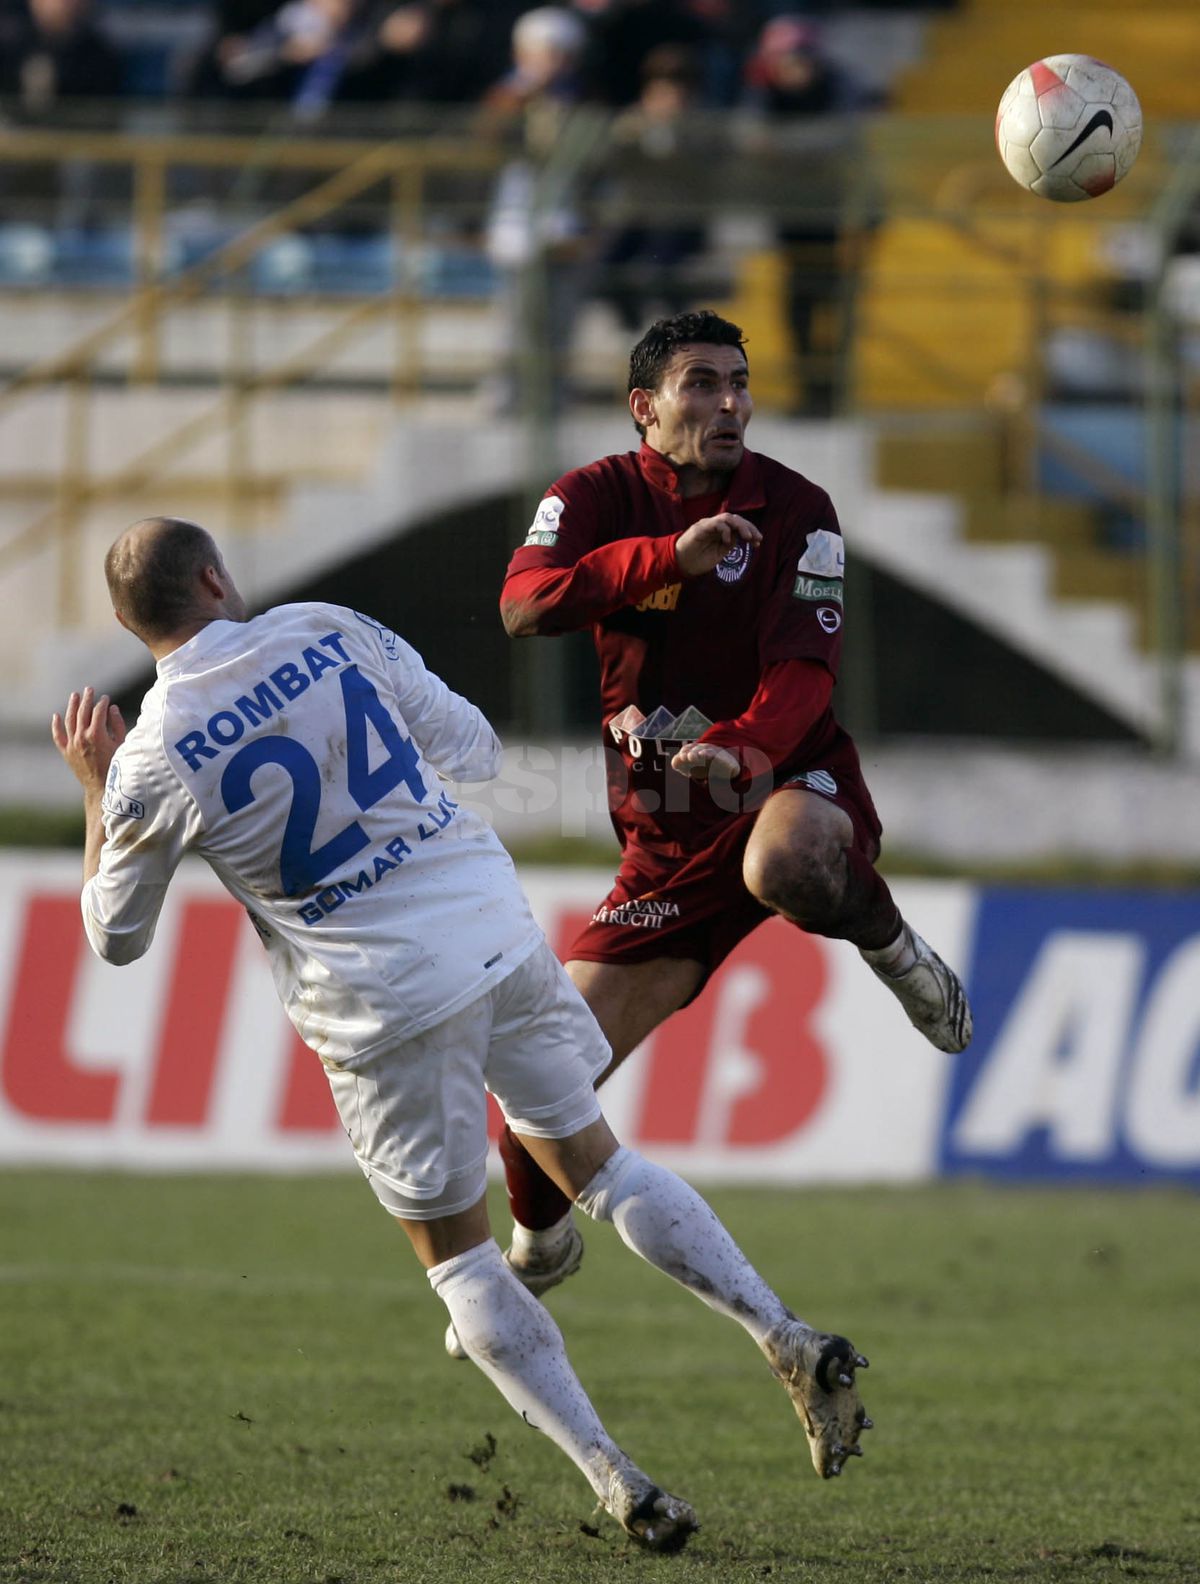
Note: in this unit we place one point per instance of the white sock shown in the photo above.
(895, 959)
(517, 1345)
(545, 1240)
(659, 1217)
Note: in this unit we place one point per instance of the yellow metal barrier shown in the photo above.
(346, 169)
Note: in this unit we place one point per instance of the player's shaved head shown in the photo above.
(650, 357)
(152, 572)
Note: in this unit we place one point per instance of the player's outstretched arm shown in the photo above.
(453, 734)
(87, 734)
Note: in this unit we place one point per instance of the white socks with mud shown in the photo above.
(519, 1348)
(659, 1217)
(894, 960)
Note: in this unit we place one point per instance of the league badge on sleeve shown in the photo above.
(819, 572)
(543, 530)
(824, 555)
(387, 638)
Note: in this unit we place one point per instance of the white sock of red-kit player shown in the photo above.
(517, 1345)
(894, 959)
(665, 1221)
(543, 1242)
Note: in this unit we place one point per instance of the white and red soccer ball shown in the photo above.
(1068, 127)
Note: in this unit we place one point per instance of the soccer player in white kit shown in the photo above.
(302, 754)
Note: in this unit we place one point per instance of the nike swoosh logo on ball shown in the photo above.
(1101, 119)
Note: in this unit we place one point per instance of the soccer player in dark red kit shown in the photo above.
(710, 577)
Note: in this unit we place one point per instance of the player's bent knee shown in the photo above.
(804, 887)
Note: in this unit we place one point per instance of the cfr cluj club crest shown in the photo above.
(732, 568)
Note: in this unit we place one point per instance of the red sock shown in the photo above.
(534, 1200)
(873, 919)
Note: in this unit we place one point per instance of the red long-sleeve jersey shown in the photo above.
(754, 644)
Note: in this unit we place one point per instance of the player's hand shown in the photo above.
(87, 735)
(697, 760)
(699, 548)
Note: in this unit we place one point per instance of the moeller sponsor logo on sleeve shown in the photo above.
(663, 599)
(543, 530)
(820, 569)
(817, 589)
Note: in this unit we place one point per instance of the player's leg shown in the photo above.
(665, 1221)
(417, 1118)
(515, 1342)
(805, 861)
(628, 1001)
(547, 1051)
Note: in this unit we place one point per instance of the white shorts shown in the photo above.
(417, 1113)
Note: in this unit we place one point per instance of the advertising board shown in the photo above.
(795, 1065)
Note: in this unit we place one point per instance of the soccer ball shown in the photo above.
(1068, 127)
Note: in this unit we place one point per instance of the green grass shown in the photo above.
(232, 1379)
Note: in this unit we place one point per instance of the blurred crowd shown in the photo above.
(627, 228)
(311, 55)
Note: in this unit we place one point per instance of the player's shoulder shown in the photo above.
(339, 628)
(301, 614)
(600, 477)
(802, 499)
(143, 740)
(778, 477)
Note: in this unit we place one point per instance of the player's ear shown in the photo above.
(212, 581)
(641, 405)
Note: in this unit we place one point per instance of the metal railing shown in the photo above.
(341, 171)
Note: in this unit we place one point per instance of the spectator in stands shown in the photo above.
(655, 146)
(547, 50)
(300, 55)
(535, 234)
(799, 100)
(437, 51)
(53, 51)
(625, 32)
(312, 53)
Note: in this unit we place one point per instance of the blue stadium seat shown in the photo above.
(94, 258)
(26, 255)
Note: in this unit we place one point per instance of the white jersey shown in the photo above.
(299, 754)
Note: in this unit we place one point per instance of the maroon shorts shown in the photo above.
(695, 905)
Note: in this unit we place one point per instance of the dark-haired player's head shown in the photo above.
(165, 575)
(649, 359)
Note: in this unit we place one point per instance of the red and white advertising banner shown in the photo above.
(794, 1065)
